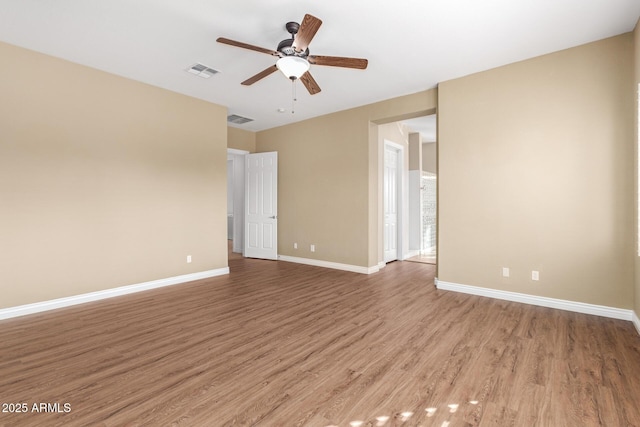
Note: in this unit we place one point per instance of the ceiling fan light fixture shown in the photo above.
(293, 66)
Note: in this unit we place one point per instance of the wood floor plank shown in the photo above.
(281, 344)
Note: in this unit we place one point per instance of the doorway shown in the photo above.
(235, 198)
(417, 190)
(393, 185)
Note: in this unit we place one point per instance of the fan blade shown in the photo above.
(247, 46)
(308, 28)
(261, 75)
(338, 61)
(310, 83)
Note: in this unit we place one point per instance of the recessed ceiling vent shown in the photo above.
(201, 70)
(238, 120)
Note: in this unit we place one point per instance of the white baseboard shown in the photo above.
(411, 254)
(329, 264)
(23, 310)
(636, 321)
(578, 307)
(381, 265)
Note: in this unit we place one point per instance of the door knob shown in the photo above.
(273, 217)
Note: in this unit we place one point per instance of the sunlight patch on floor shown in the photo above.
(382, 420)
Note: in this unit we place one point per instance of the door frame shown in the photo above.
(261, 205)
(238, 159)
(401, 199)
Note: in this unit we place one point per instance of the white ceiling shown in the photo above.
(411, 45)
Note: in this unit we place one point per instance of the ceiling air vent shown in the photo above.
(238, 120)
(201, 70)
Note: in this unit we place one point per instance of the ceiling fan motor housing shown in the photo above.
(285, 47)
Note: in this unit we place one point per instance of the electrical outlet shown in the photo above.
(535, 275)
(188, 259)
(313, 248)
(505, 271)
(295, 246)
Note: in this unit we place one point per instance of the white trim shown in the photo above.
(329, 264)
(578, 307)
(636, 321)
(236, 151)
(238, 163)
(22, 310)
(412, 253)
(381, 265)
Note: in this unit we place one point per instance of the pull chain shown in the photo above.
(293, 95)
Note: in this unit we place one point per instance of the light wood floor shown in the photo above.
(281, 344)
(426, 259)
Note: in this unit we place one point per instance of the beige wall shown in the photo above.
(429, 157)
(107, 182)
(415, 152)
(104, 181)
(536, 173)
(322, 187)
(241, 139)
(328, 190)
(394, 132)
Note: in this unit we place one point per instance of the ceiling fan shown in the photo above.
(294, 58)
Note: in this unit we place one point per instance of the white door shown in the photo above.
(390, 204)
(261, 206)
